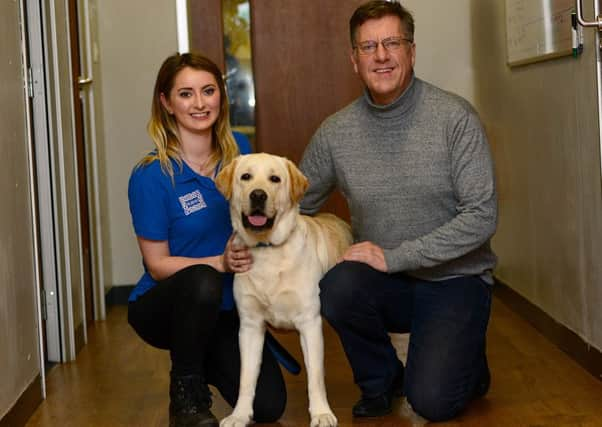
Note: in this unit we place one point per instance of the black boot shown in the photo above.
(382, 404)
(190, 400)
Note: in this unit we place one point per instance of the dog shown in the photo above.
(291, 252)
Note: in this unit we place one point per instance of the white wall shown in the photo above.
(542, 123)
(135, 36)
(443, 44)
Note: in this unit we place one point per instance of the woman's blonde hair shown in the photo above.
(162, 126)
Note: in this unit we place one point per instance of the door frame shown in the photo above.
(597, 8)
(45, 188)
(79, 139)
(34, 93)
(92, 165)
(53, 132)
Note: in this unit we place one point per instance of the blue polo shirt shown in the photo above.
(189, 212)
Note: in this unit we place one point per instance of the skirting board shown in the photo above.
(25, 405)
(568, 341)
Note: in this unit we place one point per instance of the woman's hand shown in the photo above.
(236, 258)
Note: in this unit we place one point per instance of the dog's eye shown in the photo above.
(275, 178)
(245, 176)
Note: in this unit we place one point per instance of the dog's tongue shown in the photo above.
(258, 220)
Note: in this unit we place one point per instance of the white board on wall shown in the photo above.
(537, 30)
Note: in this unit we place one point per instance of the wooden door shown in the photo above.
(303, 72)
(206, 32)
(301, 67)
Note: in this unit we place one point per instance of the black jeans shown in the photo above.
(447, 322)
(182, 314)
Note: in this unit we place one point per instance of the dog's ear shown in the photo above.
(223, 180)
(299, 182)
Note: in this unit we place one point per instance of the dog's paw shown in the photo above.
(233, 421)
(324, 420)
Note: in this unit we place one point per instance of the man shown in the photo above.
(414, 164)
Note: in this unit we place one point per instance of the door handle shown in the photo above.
(583, 22)
(597, 23)
(84, 81)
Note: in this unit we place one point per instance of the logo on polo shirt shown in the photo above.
(192, 202)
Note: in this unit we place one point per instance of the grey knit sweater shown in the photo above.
(418, 178)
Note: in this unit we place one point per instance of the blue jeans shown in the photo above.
(447, 321)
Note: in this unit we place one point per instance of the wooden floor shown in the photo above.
(118, 380)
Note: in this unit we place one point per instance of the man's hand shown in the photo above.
(368, 253)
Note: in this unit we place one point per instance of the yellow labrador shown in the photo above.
(291, 252)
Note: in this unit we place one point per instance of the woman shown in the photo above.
(184, 302)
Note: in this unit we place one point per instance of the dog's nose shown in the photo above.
(258, 197)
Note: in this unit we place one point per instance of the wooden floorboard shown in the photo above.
(118, 380)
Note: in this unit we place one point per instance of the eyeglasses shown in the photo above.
(369, 47)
